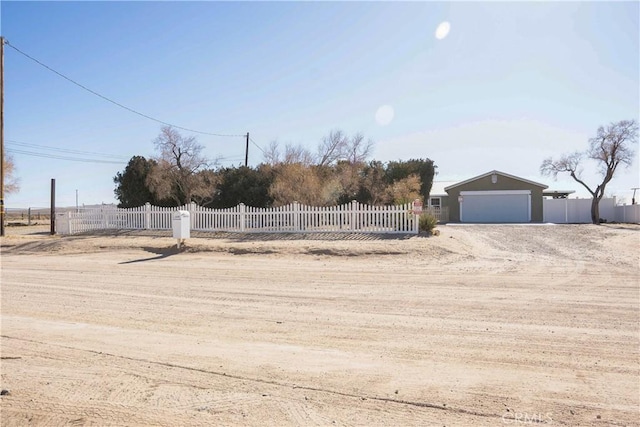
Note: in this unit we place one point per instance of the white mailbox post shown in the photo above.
(181, 222)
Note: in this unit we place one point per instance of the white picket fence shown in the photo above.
(294, 218)
(578, 211)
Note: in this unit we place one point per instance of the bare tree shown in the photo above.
(357, 150)
(177, 175)
(11, 182)
(271, 155)
(292, 154)
(332, 148)
(297, 154)
(335, 147)
(610, 148)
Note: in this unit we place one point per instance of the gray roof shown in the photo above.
(537, 184)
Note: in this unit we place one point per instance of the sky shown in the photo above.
(473, 86)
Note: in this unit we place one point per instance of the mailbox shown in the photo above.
(181, 221)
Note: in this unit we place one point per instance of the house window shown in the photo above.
(434, 202)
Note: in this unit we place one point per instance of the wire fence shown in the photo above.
(35, 215)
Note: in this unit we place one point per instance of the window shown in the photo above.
(434, 202)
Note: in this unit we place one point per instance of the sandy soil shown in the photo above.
(482, 325)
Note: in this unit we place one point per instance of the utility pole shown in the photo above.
(1, 136)
(246, 152)
(633, 198)
(53, 206)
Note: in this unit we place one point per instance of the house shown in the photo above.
(493, 197)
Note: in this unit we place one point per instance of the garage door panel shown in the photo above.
(495, 208)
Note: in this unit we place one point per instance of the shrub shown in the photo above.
(427, 222)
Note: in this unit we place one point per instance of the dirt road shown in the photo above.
(482, 325)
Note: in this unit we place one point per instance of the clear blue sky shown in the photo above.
(510, 84)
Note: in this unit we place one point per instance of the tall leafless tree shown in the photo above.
(292, 154)
(357, 150)
(334, 147)
(272, 156)
(179, 173)
(331, 148)
(611, 147)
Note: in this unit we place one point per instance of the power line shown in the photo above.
(63, 150)
(54, 156)
(230, 159)
(111, 100)
(254, 143)
(85, 160)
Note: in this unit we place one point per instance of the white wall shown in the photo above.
(575, 211)
(628, 213)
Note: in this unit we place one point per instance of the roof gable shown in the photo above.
(537, 184)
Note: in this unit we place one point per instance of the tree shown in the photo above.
(132, 189)
(611, 147)
(337, 146)
(309, 185)
(271, 156)
(405, 190)
(357, 150)
(11, 182)
(243, 185)
(423, 168)
(373, 187)
(332, 148)
(178, 175)
(292, 154)
(350, 177)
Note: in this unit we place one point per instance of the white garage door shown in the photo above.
(495, 206)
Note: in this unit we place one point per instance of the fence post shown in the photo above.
(296, 217)
(105, 221)
(192, 208)
(354, 204)
(29, 216)
(147, 216)
(242, 217)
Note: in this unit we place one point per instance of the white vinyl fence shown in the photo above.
(294, 218)
(577, 211)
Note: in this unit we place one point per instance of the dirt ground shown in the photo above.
(482, 325)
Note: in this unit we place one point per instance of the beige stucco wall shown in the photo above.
(503, 183)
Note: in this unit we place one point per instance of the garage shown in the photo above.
(495, 197)
(495, 206)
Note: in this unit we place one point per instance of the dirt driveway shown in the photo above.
(482, 325)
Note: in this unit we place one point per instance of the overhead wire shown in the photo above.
(254, 143)
(11, 142)
(58, 157)
(87, 160)
(115, 102)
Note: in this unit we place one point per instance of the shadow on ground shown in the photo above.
(254, 237)
(161, 254)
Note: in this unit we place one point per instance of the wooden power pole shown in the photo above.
(246, 152)
(53, 206)
(1, 136)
